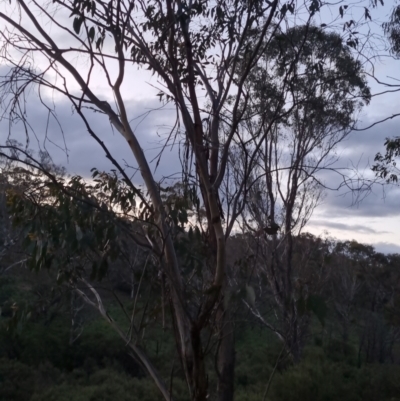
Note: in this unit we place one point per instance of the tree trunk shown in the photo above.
(199, 377)
(226, 356)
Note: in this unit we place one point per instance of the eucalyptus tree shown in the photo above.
(302, 105)
(193, 47)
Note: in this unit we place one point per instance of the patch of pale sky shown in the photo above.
(350, 229)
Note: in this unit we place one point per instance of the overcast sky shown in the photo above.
(375, 220)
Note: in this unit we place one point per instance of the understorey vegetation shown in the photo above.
(348, 294)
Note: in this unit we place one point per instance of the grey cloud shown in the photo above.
(359, 148)
(151, 123)
(356, 156)
(369, 142)
(346, 227)
(381, 202)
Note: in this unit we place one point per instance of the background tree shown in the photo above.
(305, 96)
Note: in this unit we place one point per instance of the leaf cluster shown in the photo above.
(386, 166)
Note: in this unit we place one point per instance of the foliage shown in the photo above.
(386, 164)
